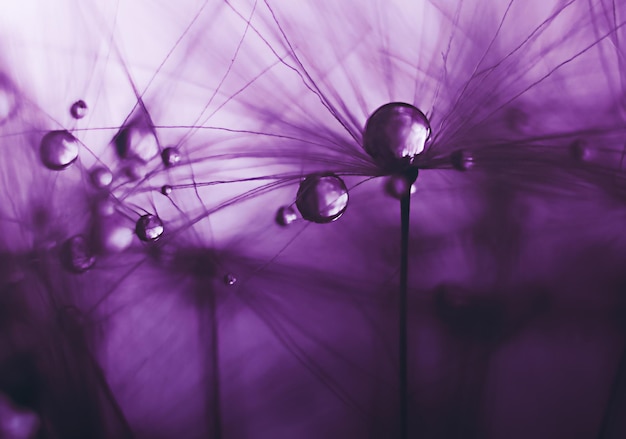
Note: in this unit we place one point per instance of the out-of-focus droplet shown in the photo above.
(322, 198)
(77, 254)
(16, 422)
(399, 186)
(166, 190)
(170, 156)
(230, 279)
(101, 177)
(395, 134)
(149, 228)
(580, 151)
(136, 141)
(462, 160)
(78, 110)
(286, 215)
(58, 150)
(114, 236)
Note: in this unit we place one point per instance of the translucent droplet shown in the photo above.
(462, 160)
(286, 215)
(395, 134)
(115, 237)
(322, 198)
(17, 422)
(170, 156)
(58, 150)
(78, 110)
(399, 186)
(137, 141)
(166, 190)
(581, 151)
(230, 279)
(77, 255)
(149, 228)
(101, 177)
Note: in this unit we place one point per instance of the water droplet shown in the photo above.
(114, 237)
(230, 279)
(462, 160)
(149, 227)
(101, 177)
(286, 215)
(395, 134)
(58, 150)
(580, 151)
(77, 255)
(170, 156)
(78, 110)
(322, 198)
(399, 186)
(136, 141)
(166, 190)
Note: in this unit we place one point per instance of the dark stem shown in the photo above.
(405, 205)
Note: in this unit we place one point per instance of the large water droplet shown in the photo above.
(78, 110)
(137, 141)
(58, 150)
(395, 134)
(149, 228)
(101, 177)
(170, 156)
(322, 198)
(286, 215)
(77, 255)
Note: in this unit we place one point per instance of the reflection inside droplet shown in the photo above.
(58, 150)
(149, 228)
(170, 156)
(78, 110)
(322, 198)
(101, 177)
(286, 215)
(77, 255)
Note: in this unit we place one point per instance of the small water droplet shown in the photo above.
(286, 215)
(170, 156)
(322, 198)
(77, 255)
(462, 160)
(149, 228)
(580, 151)
(166, 190)
(230, 279)
(58, 150)
(395, 134)
(398, 186)
(78, 110)
(101, 177)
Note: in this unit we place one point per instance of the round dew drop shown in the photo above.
(166, 190)
(395, 134)
(149, 228)
(101, 177)
(58, 150)
(171, 157)
(322, 198)
(230, 279)
(286, 215)
(77, 255)
(78, 110)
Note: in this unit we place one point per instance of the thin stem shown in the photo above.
(405, 205)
